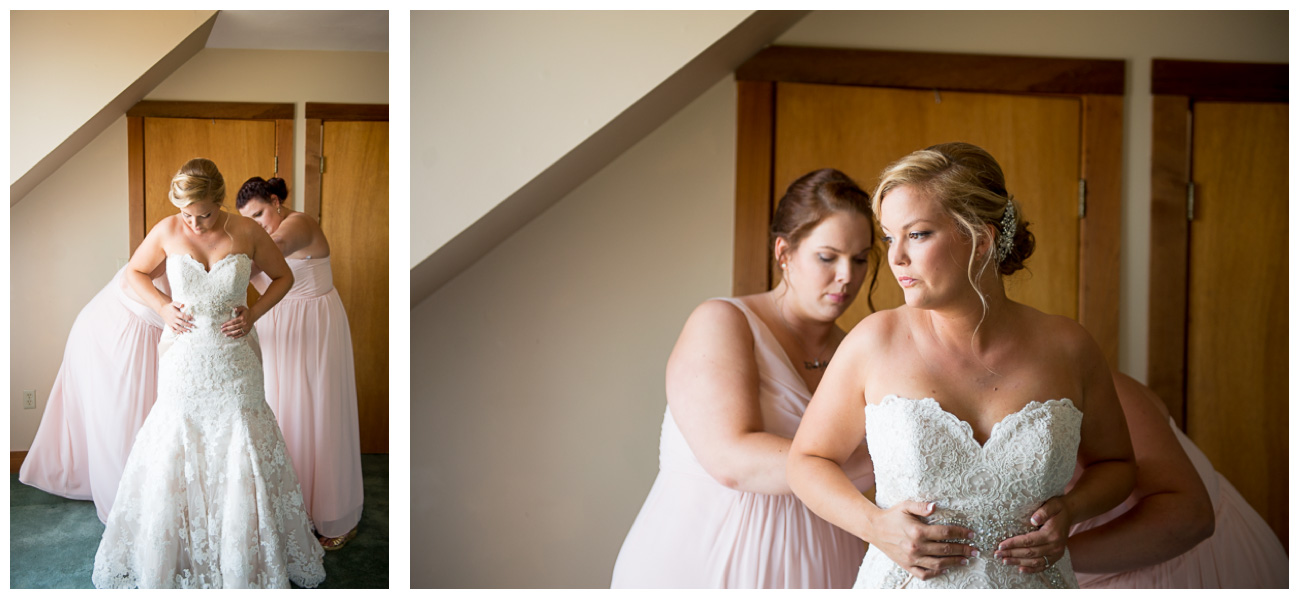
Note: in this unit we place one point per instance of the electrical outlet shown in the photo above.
(29, 398)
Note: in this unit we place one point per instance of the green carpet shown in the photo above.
(52, 540)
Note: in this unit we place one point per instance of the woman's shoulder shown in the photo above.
(1059, 332)
(720, 315)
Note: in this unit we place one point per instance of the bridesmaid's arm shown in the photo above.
(712, 386)
(1172, 511)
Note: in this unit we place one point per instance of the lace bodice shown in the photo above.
(924, 453)
(209, 294)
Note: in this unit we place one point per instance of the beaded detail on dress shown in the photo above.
(926, 454)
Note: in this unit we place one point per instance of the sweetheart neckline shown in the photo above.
(965, 426)
(214, 265)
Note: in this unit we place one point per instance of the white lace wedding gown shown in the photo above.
(209, 497)
(924, 453)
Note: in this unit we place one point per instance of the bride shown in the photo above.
(208, 497)
(976, 407)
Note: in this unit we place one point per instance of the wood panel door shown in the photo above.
(240, 149)
(1036, 139)
(354, 215)
(1054, 124)
(1237, 380)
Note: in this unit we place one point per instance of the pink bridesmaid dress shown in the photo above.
(311, 386)
(1242, 553)
(100, 398)
(694, 532)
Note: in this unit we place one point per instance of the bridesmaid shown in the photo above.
(307, 354)
(720, 513)
(104, 389)
(1171, 533)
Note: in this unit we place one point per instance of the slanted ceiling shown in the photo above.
(473, 151)
(73, 73)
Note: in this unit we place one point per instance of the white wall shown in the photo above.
(1135, 37)
(87, 78)
(552, 80)
(70, 232)
(67, 238)
(538, 374)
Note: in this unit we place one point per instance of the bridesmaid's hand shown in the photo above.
(175, 318)
(908, 541)
(1028, 551)
(239, 325)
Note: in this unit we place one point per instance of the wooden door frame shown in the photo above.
(1097, 84)
(317, 113)
(281, 114)
(1176, 85)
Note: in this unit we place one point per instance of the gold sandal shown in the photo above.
(334, 543)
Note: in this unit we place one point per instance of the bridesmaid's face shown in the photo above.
(928, 254)
(826, 271)
(265, 213)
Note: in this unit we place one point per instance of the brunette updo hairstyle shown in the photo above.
(261, 189)
(812, 198)
(968, 184)
(198, 180)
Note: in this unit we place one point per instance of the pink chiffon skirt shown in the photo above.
(1243, 552)
(104, 389)
(693, 532)
(311, 386)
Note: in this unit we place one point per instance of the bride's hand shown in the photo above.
(1027, 551)
(908, 541)
(175, 318)
(239, 325)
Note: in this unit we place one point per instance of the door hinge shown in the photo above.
(275, 170)
(1083, 198)
(322, 164)
(1191, 200)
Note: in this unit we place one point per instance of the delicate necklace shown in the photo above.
(816, 364)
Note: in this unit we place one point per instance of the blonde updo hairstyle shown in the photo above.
(197, 181)
(968, 184)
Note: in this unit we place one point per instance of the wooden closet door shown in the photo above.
(241, 149)
(354, 216)
(861, 130)
(1237, 380)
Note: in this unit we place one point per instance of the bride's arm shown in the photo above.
(1105, 453)
(829, 434)
(266, 255)
(145, 263)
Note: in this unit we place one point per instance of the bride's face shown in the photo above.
(927, 252)
(201, 217)
(267, 214)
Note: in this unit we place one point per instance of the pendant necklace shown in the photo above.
(818, 363)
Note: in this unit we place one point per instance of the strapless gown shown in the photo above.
(693, 532)
(100, 398)
(1243, 552)
(208, 497)
(926, 454)
(311, 386)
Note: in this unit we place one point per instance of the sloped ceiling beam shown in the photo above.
(598, 150)
(133, 93)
